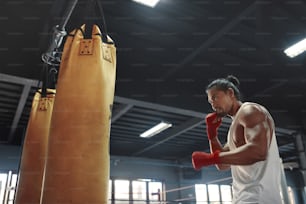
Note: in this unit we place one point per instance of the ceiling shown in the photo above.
(166, 57)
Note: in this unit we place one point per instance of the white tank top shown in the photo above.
(260, 182)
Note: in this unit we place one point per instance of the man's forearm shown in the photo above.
(215, 145)
(244, 155)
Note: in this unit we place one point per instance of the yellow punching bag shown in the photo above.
(34, 151)
(77, 169)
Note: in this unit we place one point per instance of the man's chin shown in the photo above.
(221, 114)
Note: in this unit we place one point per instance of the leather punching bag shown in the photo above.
(32, 164)
(77, 169)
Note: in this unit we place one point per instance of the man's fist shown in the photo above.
(200, 159)
(212, 124)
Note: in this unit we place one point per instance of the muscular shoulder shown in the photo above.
(251, 114)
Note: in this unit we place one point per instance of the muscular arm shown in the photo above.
(257, 135)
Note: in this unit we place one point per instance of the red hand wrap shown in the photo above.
(212, 124)
(200, 159)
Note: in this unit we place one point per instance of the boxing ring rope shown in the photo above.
(192, 199)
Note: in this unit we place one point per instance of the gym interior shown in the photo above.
(161, 57)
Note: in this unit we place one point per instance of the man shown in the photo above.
(251, 150)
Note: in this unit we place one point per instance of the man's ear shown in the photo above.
(231, 92)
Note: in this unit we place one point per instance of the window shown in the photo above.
(213, 194)
(226, 194)
(139, 192)
(122, 193)
(8, 183)
(201, 193)
(12, 186)
(110, 190)
(155, 189)
(3, 178)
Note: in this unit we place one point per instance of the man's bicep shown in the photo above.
(258, 137)
(256, 126)
(257, 131)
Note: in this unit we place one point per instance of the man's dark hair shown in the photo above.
(224, 84)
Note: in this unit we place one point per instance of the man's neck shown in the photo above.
(235, 108)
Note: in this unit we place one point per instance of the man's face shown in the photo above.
(220, 101)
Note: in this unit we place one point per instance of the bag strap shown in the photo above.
(91, 20)
(50, 58)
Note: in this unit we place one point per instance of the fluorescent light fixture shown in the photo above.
(150, 3)
(145, 180)
(156, 129)
(296, 49)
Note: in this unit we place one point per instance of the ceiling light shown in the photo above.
(296, 49)
(150, 3)
(156, 129)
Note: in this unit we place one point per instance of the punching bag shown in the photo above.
(77, 169)
(32, 164)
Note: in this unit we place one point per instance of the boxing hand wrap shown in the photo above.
(212, 124)
(200, 159)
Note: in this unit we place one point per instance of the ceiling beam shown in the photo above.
(17, 80)
(22, 101)
(28, 84)
(159, 107)
(122, 109)
(211, 40)
(190, 124)
(268, 89)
